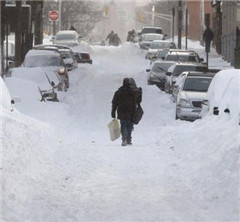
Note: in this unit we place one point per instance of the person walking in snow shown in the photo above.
(207, 38)
(125, 101)
(116, 40)
(110, 38)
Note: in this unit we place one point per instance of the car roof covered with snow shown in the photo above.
(38, 52)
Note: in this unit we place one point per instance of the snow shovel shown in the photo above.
(114, 129)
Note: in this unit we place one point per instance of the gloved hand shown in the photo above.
(113, 115)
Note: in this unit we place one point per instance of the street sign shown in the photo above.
(53, 15)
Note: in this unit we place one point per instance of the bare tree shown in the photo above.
(165, 7)
(82, 15)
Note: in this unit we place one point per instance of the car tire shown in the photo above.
(167, 89)
(176, 116)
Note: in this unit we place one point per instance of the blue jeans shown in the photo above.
(126, 129)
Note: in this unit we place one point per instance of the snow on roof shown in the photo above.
(67, 32)
(35, 52)
(152, 34)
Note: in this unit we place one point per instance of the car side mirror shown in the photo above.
(165, 35)
(168, 73)
(205, 102)
(177, 86)
(52, 83)
(201, 59)
(148, 70)
(16, 99)
(215, 111)
(10, 64)
(163, 58)
(52, 39)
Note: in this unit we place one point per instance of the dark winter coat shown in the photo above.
(116, 40)
(125, 102)
(111, 37)
(208, 35)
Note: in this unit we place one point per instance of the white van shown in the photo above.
(67, 37)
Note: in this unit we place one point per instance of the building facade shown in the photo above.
(199, 14)
(230, 29)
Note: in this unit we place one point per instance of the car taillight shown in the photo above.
(85, 56)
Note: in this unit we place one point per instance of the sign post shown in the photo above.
(53, 16)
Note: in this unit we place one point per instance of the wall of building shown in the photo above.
(229, 25)
(197, 11)
(238, 17)
(194, 15)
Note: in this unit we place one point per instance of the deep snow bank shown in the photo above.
(27, 150)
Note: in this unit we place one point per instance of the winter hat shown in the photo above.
(126, 82)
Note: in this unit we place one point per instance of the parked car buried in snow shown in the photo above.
(178, 55)
(176, 69)
(65, 52)
(36, 80)
(67, 37)
(147, 39)
(158, 44)
(191, 90)
(223, 96)
(50, 62)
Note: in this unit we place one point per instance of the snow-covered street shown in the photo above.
(59, 164)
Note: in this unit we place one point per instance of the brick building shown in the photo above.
(199, 12)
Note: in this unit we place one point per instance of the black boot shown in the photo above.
(129, 141)
(124, 143)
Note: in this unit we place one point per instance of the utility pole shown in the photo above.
(60, 15)
(18, 34)
(2, 37)
(179, 24)
(173, 23)
(186, 30)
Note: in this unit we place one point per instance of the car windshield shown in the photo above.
(179, 69)
(65, 55)
(42, 61)
(161, 67)
(182, 58)
(162, 53)
(197, 84)
(151, 37)
(65, 37)
(152, 30)
(159, 45)
(162, 45)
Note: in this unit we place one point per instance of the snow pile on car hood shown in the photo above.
(27, 154)
(40, 76)
(224, 93)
